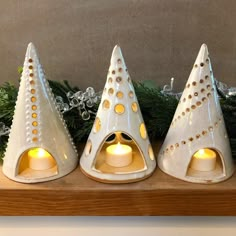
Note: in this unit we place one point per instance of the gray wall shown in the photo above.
(159, 38)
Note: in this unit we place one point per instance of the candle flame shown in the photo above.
(201, 151)
(38, 153)
(118, 148)
(41, 152)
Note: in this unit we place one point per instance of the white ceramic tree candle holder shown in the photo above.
(196, 148)
(40, 147)
(118, 148)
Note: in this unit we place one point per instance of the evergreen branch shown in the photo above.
(157, 108)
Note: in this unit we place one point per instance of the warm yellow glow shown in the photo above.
(106, 104)
(118, 155)
(134, 107)
(150, 152)
(119, 149)
(201, 152)
(142, 130)
(38, 153)
(119, 94)
(205, 153)
(119, 108)
(97, 125)
(204, 160)
(40, 159)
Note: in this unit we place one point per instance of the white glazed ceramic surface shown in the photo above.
(197, 124)
(52, 134)
(118, 111)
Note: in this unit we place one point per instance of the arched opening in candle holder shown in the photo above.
(119, 154)
(206, 165)
(36, 163)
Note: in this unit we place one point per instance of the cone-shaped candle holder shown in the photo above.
(118, 148)
(39, 147)
(196, 148)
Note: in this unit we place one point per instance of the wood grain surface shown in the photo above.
(75, 194)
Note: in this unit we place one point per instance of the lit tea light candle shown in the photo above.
(118, 155)
(39, 159)
(204, 160)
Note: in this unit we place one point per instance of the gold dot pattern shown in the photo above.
(134, 107)
(110, 91)
(34, 131)
(119, 109)
(194, 83)
(97, 125)
(117, 79)
(34, 139)
(35, 123)
(203, 133)
(131, 94)
(143, 131)
(106, 104)
(33, 99)
(198, 103)
(119, 94)
(34, 108)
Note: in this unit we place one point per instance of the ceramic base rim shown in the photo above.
(200, 181)
(105, 181)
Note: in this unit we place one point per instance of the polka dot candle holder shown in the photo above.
(196, 148)
(118, 148)
(40, 147)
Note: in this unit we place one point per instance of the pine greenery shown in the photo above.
(157, 108)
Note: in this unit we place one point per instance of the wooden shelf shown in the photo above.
(75, 194)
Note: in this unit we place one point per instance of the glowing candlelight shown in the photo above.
(204, 160)
(118, 155)
(39, 159)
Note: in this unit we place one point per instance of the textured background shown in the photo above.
(159, 38)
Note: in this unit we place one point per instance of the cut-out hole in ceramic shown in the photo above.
(137, 164)
(36, 164)
(218, 171)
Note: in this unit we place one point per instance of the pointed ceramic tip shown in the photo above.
(202, 55)
(117, 56)
(117, 51)
(31, 51)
